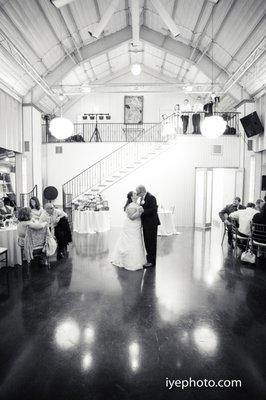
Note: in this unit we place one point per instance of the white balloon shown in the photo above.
(213, 127)
(61, 128)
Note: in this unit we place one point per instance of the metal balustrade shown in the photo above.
(25, 197)
(139, 146)
(147, 132)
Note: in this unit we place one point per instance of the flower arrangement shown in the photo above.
(92, 202)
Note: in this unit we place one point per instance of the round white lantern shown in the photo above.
(136, 69)
(213, 127)
(61, 128)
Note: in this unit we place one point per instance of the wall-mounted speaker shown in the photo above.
(251, 124)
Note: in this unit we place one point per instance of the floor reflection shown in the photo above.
(200, 313)
(91, 245)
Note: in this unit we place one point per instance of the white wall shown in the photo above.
(155, 104)
(75, 157)
(170, 176)
(10, 123)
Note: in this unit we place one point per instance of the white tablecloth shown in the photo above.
(167, 226)
(91, 221)
(8, 239)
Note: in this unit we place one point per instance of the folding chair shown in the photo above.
(238, 238)
(258, 237)
(35, 240)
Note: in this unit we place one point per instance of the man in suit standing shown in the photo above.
(150, 222)
(226, 211)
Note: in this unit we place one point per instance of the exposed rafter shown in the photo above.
(252, 58)
(104, 20)
(167, 19)
(14, 52)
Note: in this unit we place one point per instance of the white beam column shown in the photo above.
(105, 19)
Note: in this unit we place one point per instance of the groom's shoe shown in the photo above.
(148, 265)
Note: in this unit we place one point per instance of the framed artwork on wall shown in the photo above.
(133, 110)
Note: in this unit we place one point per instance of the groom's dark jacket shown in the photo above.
(150, 217)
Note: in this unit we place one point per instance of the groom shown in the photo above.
(150, 222)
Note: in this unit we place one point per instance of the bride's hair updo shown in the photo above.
(129, 199)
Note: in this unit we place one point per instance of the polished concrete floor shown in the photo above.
(87, 330)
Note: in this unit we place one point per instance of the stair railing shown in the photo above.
(25, 197)
(112, 163)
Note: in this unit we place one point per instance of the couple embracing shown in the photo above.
(141, 223)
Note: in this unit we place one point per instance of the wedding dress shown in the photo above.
(129, 251)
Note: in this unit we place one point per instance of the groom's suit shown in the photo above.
(150, 222)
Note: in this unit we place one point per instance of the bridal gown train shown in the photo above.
(129, 251)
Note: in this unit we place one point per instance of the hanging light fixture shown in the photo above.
(136, 69)
(61, 127)
(214, 126)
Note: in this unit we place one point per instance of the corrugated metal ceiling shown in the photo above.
(46, 36)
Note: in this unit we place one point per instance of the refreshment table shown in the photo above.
(91, 221)
(8, 239)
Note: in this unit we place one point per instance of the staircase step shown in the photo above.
(130, 167)
(95, 190)
(137, 162)
(116, 176)
(109, 180)
(102, 185)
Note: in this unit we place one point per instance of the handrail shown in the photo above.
(31, 193)
(115, 162)
(116, 150)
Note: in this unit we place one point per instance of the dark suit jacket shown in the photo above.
(150, 217)
(229, 209)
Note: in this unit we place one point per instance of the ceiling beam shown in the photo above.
(96, 32)
(182, 50)
(155, 38)
(135, 22)
(167, 19)
(87, 52)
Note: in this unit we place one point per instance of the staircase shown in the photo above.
(116, 165)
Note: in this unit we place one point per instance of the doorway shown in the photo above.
(214, 188)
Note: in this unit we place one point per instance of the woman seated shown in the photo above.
(36, 209)
(58, 224)
(25, 221)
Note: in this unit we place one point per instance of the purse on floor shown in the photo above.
(248, 256)
(50, 245)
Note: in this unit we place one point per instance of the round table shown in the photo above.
(8, 239)
(91, 221)
(167, 226)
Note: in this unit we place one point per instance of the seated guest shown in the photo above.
(58, 224)
(24, 220)
(244, 218)
(224, 215)
(5, 211)
(36, 209)
(259, 204)
(260, 218)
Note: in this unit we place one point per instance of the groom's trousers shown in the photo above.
(150, 240)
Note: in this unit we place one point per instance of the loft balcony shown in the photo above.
(146, 132)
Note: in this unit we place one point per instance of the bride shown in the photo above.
(129, 251)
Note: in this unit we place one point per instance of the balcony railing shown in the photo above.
(147, 132)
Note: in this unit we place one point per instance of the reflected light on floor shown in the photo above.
(67, 334)
(134, 355)
(205, 339)
(86, 362)
(89, 334)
